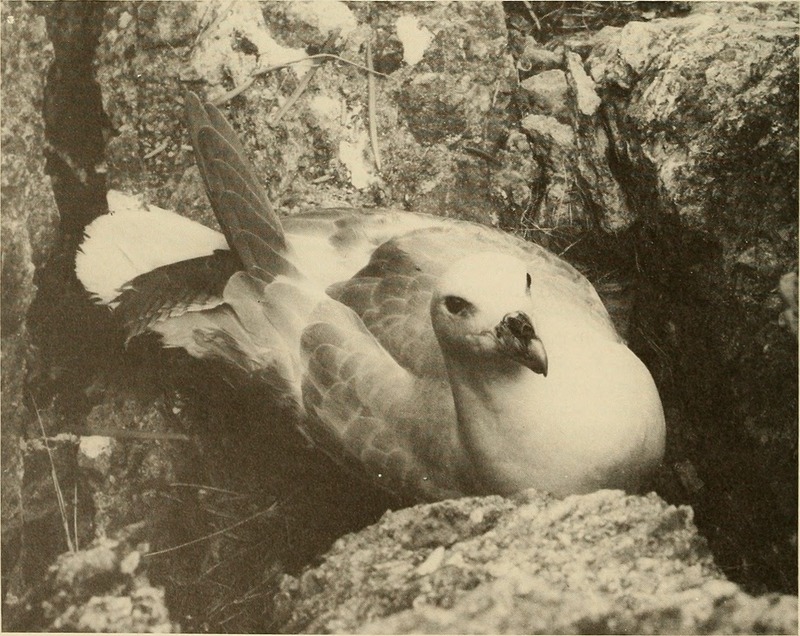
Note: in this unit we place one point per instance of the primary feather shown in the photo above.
(434, 357)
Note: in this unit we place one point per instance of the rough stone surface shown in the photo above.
(534, 58)
(455, 137)
(127, 474)
(548, 91)
(314, 150)
(702, 113)
(597, 563)
(26, 230)
(104, 588)
(609, 203)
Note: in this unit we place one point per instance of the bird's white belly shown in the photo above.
(570, 432)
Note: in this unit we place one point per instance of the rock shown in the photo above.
(28, 224)
(131, 463)
(535, 59)
(702, 121)
(552, 145)
(548, 93)
(577, 187)
(104, 588)
(593, 168)
(447, 76)
(604, 562)
(582, 86)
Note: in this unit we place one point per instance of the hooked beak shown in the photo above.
(517, 339)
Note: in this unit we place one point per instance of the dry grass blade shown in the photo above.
(156, 151)
(214, 534)
(373, 124)
(532, 13)
(62, 504)
(75, 514)
(301, 87)
(224, 491)
(304, 81)
(226, 97)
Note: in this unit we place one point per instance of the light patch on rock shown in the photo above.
(214, 54)
(93, 446)
(352, 155)
(343, 124)
(587, 98)
(433, 562)
(638, 41)
(124, 20)
(546, 126)
(129, 564)
(327, 111)
(325, 15)
(415, 39)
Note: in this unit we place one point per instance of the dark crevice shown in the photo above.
(678, 337)
(69, 337)
(72, 336)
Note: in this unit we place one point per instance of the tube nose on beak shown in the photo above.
(519, 341)
(520, 326)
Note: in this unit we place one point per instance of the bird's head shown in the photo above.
(481, 307)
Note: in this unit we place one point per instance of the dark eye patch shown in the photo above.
(527, 282)
(456, 304)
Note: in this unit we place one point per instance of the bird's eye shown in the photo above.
(527, 282)
(456, 304)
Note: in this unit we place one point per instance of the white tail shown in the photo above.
(134, 239)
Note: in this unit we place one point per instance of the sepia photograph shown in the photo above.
(415, 317)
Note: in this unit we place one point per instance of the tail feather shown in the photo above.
(134, 239)
(184, 281)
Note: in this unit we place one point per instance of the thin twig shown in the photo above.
(213, 534)
(373, 123)
(322, 179)
(75, 513)
(181, 484)
(483, 155)
(532, 13)
(301, 86)
(568, 247)
(62, 506)
(157, 150)
(226, 97)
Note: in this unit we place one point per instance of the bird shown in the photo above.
(431, 356)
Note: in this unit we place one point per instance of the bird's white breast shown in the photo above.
(594, 422)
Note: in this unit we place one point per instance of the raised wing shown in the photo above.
(243, 210)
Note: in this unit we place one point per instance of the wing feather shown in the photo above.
(173, 290)
(372, 414)
(237, 197)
